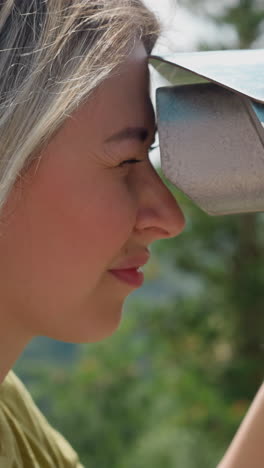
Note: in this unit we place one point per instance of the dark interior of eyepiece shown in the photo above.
(259, 109)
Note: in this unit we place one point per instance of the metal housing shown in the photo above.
(211, 128)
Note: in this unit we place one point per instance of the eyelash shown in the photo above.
(134, 161)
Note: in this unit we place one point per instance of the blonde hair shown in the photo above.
(53, 54)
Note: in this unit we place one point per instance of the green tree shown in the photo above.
(245, 16)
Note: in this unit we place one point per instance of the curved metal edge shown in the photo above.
(205, 76)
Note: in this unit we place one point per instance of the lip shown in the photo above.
(127, 272)
(130, 276)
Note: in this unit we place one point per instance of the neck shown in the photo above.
(12, 342)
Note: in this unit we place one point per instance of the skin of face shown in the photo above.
(77, 213)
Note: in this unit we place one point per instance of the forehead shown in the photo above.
(122, 100)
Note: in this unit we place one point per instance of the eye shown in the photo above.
(152, 147)
(135, 161)
(129, 161)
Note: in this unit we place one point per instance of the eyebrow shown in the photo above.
(134, 133)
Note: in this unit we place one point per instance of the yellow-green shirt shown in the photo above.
(27, 440)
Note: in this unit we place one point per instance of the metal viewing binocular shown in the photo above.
(210, 124)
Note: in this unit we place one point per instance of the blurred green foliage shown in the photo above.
(245, 16)
(170, 388)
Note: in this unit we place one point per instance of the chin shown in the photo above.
(92, 329)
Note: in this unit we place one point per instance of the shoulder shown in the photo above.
(12, 390)
(17, 402)
(26, 430)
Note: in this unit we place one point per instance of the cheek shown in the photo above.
(66, 236)
(78, 233)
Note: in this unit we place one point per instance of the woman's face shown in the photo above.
(78, 214)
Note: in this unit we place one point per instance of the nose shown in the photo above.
(159, 215)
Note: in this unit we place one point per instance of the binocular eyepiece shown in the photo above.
(210, 123)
